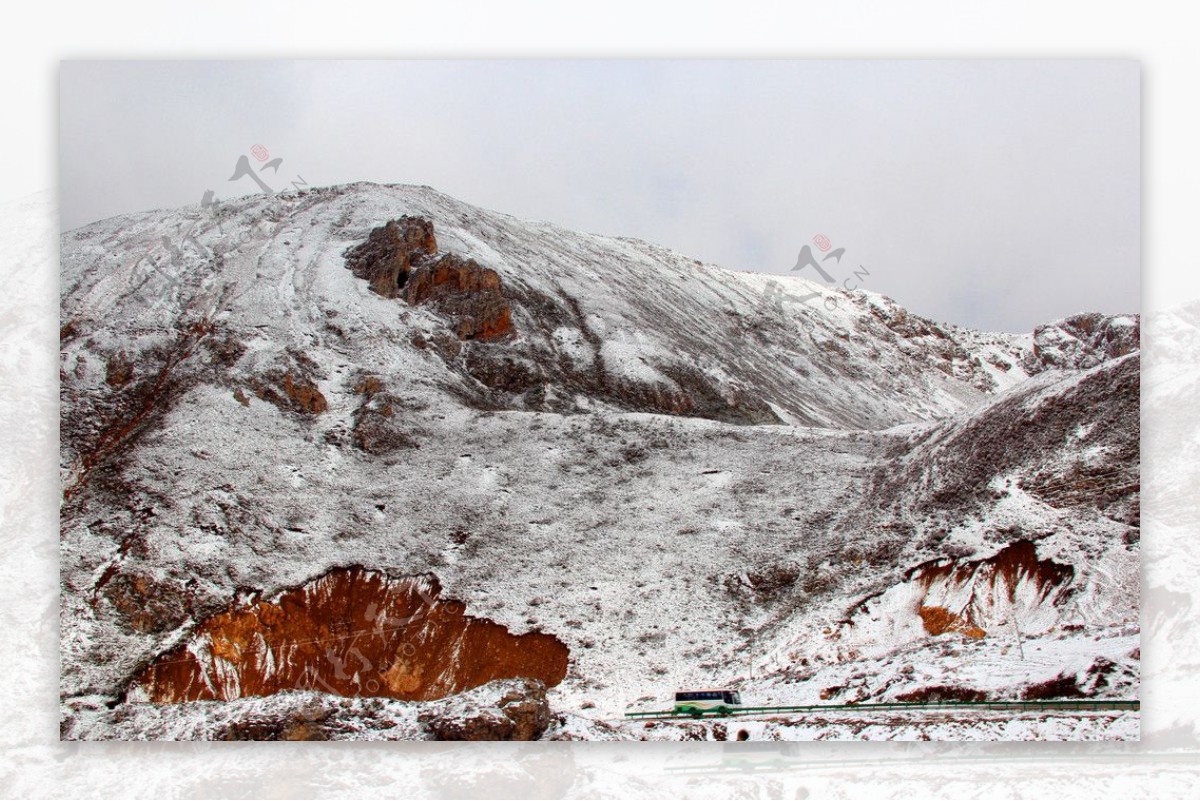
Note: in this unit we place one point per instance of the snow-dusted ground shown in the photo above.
(665, 551)
(901, 725)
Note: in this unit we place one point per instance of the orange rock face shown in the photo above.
(350, 632)
(467, 293)
(387, 258)
(400, 259)
(304, 393)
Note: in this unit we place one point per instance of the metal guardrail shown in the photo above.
(1077, 705)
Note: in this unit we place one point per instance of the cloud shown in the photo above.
(996, 194)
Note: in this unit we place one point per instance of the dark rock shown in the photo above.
(1082, 342)
(292, 387)
(377, 426)
(119, 370)
(386, 259)
(467, 293)
(1062, 686)
(399, 259)
(297, 728)
(145, 605)
(520, 712)
(940, 693)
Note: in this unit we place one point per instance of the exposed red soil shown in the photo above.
(1016, 561)
(940, 620)
(351, 632)
(1012, 565)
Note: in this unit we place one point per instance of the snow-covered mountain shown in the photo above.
(372, 440)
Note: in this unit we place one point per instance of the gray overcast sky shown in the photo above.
(994, 194)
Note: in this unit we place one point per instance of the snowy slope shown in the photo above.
(276, 267)
(659, 466)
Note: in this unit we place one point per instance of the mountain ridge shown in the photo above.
(242, 408)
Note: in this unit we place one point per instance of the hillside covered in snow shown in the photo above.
(375, 443)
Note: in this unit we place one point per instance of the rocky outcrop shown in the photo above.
(512, 709)
(400, 259)
(945, 348)
(1083, 341)
(502, 710)
(350, 632)
(143, 604)
(1011, 591)
(292, 386)
(387, 258)
(376, 422)
(467, 293)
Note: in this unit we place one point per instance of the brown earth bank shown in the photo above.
(1015, 562)
(351, 632)
(1009, 567)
